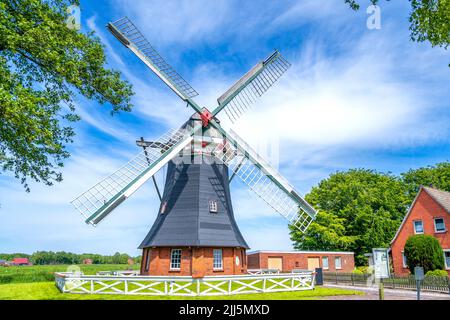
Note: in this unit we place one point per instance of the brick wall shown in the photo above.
(197, 262)
(299, 260)
(426, 209)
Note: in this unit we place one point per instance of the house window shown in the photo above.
(213, 206)
(337, 263)
(439, 225)
(325, 263)
(404, 261)
(175, 259)
(418, 227)
(218, 261)
(447, 259)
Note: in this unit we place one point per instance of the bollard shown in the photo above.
(381, 290)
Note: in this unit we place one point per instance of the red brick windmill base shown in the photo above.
(196, 262)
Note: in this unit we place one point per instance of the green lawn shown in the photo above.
(48, 291)
(25, 274)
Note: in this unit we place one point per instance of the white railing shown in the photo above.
(263, 271)
(184, 286)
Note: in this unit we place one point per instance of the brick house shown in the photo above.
(429, 214)
(20, 262)
(286, 261)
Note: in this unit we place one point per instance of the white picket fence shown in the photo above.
(184, 286)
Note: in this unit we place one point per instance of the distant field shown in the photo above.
(25, 274)
(48, 291)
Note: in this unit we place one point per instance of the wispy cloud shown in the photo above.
(350, 91)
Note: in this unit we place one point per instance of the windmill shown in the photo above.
(195, 232)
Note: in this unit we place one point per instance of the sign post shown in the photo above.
(419, 276)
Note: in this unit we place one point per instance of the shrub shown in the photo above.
(424, 251)
(437, 273)
(357, 271)
(364, 269)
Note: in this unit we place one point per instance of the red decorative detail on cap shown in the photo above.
(206, 117)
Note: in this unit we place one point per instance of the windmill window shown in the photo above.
(218, 261)
(213, 206)
(175, 259)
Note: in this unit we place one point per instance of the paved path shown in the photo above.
(389, 294)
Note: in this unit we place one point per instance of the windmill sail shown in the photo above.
(127, 33)
(265, 181)
(97, 202)
(236, 100)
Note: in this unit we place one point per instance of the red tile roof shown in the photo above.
(20, 261)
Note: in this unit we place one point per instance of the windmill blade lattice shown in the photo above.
(266, 182)
(251, 86)
(97, 202)
(129, 35)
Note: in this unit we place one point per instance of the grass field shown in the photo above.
(48, 291)
(37, 283)
(27, 274)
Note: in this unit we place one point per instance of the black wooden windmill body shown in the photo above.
(196, 221)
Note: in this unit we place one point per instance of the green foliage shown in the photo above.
(50, 257)
(364, 269)
(437, 273)
(358, 210)
(39, 273)
(357, 271)
(424, 251)
(429, 20)
(44, 65)
(438, 176)
(10, 256)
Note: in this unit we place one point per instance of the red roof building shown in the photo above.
(21, 262)
(429, 214)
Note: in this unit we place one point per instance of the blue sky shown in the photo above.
(353, 97)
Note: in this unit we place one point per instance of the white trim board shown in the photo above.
(300, 252)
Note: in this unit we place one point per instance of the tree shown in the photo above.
(429, 20)
(358, 210)
(437, 176)
(44, 65)
(424, 251)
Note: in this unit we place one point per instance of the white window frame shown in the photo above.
(340, 263)
(172, 258)
(404, 261)
(323, 263)
(435, 228)
(213, 206)
(217, 264)
(447, 267)
(414, 225)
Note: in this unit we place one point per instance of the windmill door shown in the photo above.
(313, 263)
(275, 263)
